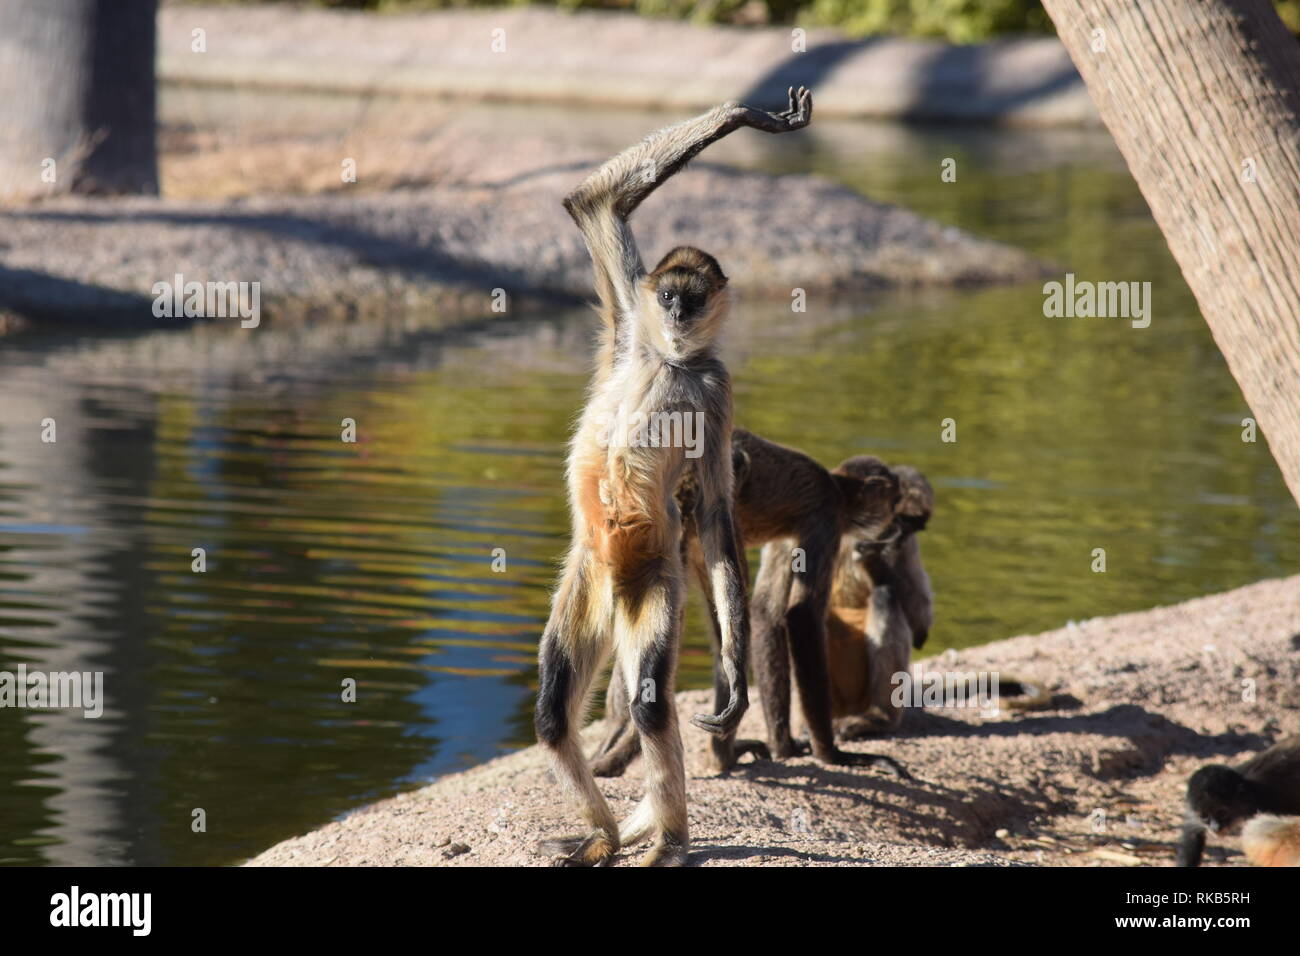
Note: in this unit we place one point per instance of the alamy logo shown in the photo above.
(970, 689)
(57, 689)
(208, 300)
(1102, 300)
(657, 430)
(75, 908)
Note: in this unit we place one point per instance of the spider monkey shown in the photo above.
(623, 582)
(882, 607)
(1264, 792)
(783, 500)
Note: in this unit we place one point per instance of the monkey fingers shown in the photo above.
(799, 112)
(725, 723)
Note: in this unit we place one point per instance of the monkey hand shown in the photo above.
(796, 116)
(725, 723)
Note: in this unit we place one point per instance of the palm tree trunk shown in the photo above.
(1203, 98)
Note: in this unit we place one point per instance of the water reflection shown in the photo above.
(372, 561)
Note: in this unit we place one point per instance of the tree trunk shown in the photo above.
(1203, 98)
(77, 97)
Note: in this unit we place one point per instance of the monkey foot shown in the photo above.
(859, 726)
(726, 756)
(792, 748)
(759, 749)
(611, 765)
(846, 758)
(666, 852)
(594, 850)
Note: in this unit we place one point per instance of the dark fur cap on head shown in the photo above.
(689, 262)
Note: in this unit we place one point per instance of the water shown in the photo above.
(372, 561)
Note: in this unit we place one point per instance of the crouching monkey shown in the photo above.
(623, 583)
(882, 607)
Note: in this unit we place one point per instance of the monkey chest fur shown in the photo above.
(636, 441)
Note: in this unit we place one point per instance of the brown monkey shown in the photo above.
(784, 500)
(623, 582)
(1260, 791)
(881, 607)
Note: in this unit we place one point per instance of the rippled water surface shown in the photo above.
(372, 561)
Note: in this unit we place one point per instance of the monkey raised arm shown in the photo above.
(603, 202)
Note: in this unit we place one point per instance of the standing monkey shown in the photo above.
(802, 513)
(623, 582)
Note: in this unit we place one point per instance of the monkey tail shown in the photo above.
(1013, 693)
(1019, 693)
(1270, 840)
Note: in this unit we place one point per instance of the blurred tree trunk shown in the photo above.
(1203, 98)
(77, 87)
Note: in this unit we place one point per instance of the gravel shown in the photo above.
(1140, 701)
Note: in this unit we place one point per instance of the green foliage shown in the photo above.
(1289, 11)
(961, 21)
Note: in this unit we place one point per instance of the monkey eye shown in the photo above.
(665, 296)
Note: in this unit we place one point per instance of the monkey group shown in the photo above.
(809, 522)
(841, 597)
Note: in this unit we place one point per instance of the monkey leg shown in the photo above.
(806, 624)
(647, 630)
(623, 744)
(770, 646)
(573, 646)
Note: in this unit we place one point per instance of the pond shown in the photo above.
(372, 561)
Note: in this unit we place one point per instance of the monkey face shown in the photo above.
(685, 298)
(871, 507)
(1220, 798)
(682, 298)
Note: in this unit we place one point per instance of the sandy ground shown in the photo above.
(1140, 700)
